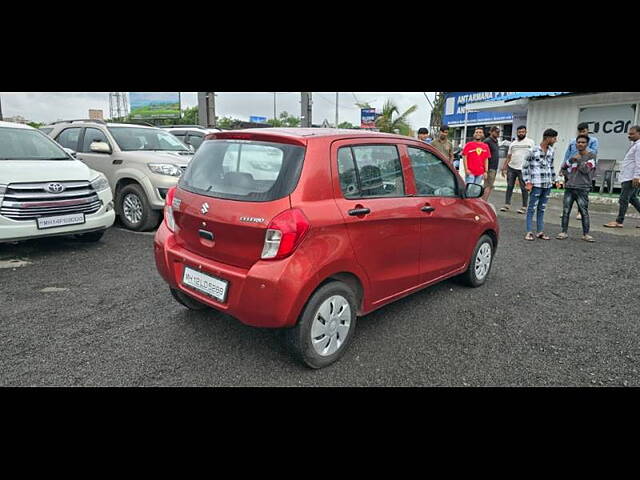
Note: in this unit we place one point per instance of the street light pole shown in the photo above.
(337, 93)
(0, 109)
(274, 106)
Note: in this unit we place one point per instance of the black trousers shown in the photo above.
(581, 197)
(628, 195)
(512, 175)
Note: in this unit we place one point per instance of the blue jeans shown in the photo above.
(474, 179)
(537, 202)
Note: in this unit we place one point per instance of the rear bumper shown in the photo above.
(268, 295)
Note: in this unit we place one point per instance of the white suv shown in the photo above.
(45, 192)
(192, 135)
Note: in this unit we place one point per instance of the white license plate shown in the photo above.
(212, 286)
(60, 220)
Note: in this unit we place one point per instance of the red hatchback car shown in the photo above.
(307, 229)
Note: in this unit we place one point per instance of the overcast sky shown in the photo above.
(51, 106)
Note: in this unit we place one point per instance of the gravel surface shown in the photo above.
(551, 314)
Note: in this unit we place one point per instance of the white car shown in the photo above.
(192, 135)
(45, 192)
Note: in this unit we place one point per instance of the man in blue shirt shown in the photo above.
(572, 149)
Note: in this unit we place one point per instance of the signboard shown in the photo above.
(96, 115)
(257, 119)
(368, 118)
(151, 105)
(610, 125)
(455, 103)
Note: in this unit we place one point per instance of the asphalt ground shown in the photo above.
(554, 313)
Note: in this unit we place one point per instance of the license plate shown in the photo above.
(60, 220)
(207, 284)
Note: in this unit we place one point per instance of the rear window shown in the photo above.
(251, 171)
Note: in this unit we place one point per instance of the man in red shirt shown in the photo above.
(476, 156)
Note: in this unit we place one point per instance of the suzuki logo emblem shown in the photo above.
(54, 188)
(205, 208)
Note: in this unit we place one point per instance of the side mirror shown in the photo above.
(100, 147)
(473, 190)
(71, 152)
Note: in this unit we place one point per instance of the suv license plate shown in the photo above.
(60, 220)
(207, 284)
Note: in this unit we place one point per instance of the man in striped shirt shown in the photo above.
(539, 177)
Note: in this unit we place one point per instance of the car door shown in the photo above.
(99, 161)
(447, 219)
(382, 218)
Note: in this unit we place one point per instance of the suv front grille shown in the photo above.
(28, 201)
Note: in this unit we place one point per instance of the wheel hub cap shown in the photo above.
(483, 261)
(132, 208)
(330, 325)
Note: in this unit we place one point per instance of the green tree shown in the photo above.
(226, 122)
(346, 125)
(284, 120)
(389, 123)
(35, 124)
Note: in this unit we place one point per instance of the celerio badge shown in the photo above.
(205, 208)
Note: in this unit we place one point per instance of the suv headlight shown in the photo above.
(165, 169)
(100, 183)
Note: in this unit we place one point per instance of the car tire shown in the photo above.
(318, 341)
(90, 237)
(134, 209)
(480, 263)
(187, 301)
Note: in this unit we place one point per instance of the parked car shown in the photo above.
(141, 163)
(45, 192)
(190, 134)
(346, 224)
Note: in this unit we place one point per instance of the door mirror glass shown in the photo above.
(100, 147)
(473, 190)
(70, 151)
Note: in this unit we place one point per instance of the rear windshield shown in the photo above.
(251, 171)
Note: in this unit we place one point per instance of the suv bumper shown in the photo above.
(17, 230)
(268, 295)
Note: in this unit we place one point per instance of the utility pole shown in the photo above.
(306, 116)
(274, 106)
(0, 109)
(337, 93)
(207, 109)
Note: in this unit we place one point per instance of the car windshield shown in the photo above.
(27, 144)
(131, 138)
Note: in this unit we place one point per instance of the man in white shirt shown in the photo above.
(512, 168)
(629, 178)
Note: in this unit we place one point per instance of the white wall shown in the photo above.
(561, 114)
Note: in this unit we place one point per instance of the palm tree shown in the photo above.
(387, 123)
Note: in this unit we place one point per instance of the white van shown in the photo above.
(45, 192)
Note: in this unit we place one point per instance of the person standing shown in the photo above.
(630, 179)
(476, 158)
(512, 168)
(442, 144)
(423, 135)
(578, 171)
(583, 129)
(539, 176)
(494, 161)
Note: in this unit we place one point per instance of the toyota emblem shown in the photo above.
(54, 188)
(205, 208)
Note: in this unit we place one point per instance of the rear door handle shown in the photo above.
(359, 211)
(427, 208)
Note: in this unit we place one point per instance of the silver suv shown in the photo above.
(141, 163)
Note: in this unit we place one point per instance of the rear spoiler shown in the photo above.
(257, 136)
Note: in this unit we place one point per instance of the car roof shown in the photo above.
(302, 135)
(15, 125)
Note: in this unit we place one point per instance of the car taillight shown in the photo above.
(168, 209)
(284, 234)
